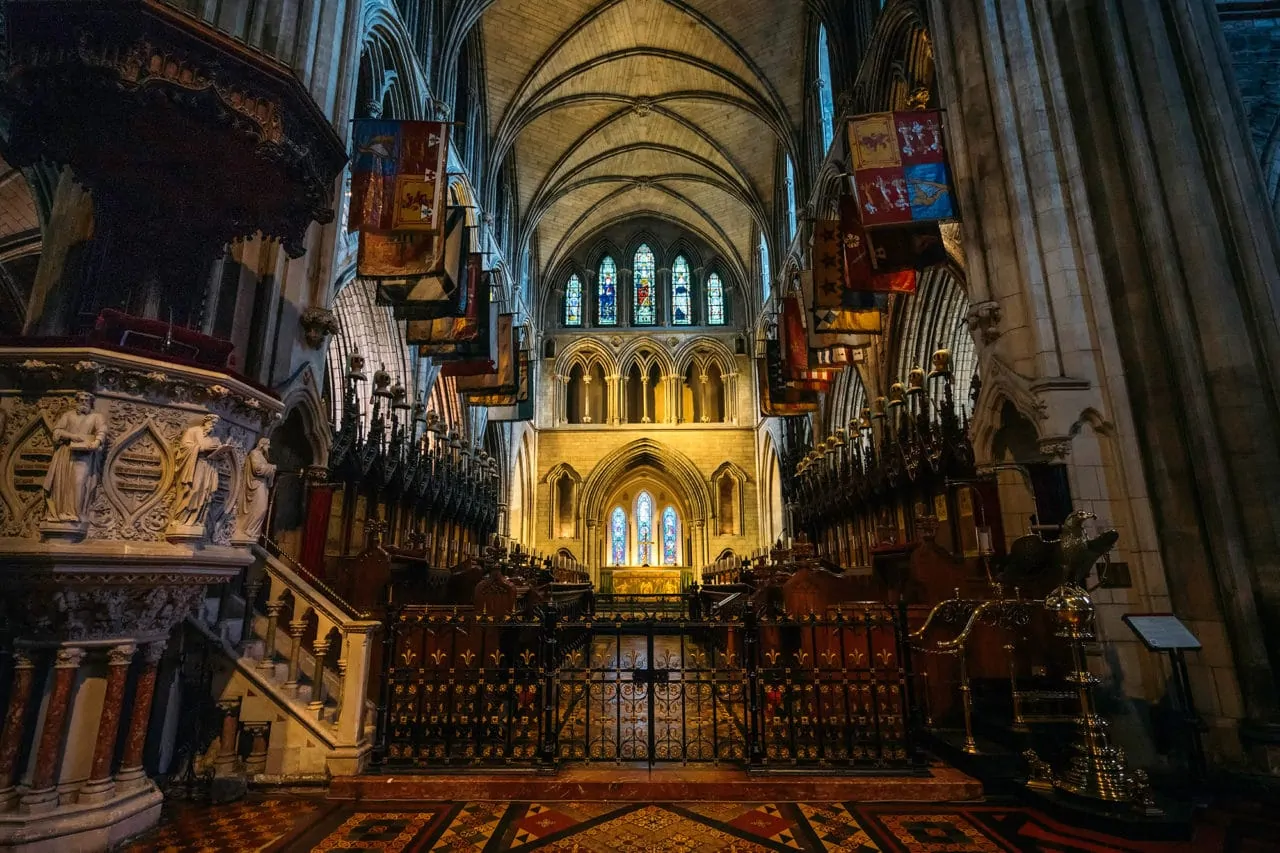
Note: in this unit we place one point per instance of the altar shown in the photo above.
(645, 580)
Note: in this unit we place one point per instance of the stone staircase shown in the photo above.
(293, 664)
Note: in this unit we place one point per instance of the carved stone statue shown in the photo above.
(195, 475)
(255, 494)
(78, 437)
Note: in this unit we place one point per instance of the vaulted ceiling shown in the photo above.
(674, 108)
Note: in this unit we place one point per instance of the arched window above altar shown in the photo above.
(644, 528)
(670, 536)
(618, 537)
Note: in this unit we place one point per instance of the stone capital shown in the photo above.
(121, 655)
(69, 657)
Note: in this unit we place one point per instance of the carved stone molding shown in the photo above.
(77, 611)
(118, 479)
(983, 320)
(317, 325)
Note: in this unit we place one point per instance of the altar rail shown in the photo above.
(829, 692)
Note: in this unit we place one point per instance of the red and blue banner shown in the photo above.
(900, 168)
(398, 175)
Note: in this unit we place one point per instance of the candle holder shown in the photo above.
(1097, 770)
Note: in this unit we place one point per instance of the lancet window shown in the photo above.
(573, 301)
(645, 312)
(682, 293)
(670, 535)
(607, 293)
(715, 300)
(644, 528)
(618, 537)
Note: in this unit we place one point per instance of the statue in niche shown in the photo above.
(196, 477)
(255, 494)
(78, 437)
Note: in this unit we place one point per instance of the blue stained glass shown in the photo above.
(669, 530)
(645, 272)
(824, 90)
(644, 528)
(618, 536)
(681, 295)
(573, 301)
(715, 300)
(608, 292)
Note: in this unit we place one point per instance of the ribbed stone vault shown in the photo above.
(674, 107)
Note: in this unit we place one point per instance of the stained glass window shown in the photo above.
(644, 528)
(791, 200)
(573, 301)
(715, 300)
(764, 268)
(824, 89)
(608, 293)
(618, 537)
(681, 293)
(669, 533)
(644, 307)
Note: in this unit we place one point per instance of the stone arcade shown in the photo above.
(747, 388)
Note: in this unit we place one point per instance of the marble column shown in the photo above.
(14, 720)
(131, 772)
(43, 794)
(101, 786)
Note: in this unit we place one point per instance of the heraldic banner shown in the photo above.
(900, 168)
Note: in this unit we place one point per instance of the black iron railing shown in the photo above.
(828, 693)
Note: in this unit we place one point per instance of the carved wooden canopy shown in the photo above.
(179, 131)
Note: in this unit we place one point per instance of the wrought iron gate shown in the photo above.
(641, 690)
(465, 689)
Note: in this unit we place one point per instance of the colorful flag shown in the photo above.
(398, 175)
(456, 335)
(442, 292)
(375, 161)
(900, 168)
(776, 399)
(395, 254)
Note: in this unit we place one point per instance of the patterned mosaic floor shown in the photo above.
(294, 825)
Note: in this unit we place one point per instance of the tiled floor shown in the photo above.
(288, 825)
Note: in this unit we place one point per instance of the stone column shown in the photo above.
(586, 398)
(43, 794)
(258, 734)
(297, 628)
(228, 754)
(269, 648)
(14, 720)
(101, 786)
(644, 399)
(320, 649)
(131, 773)
(613, 398)
(730, 397)
(702, 396)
